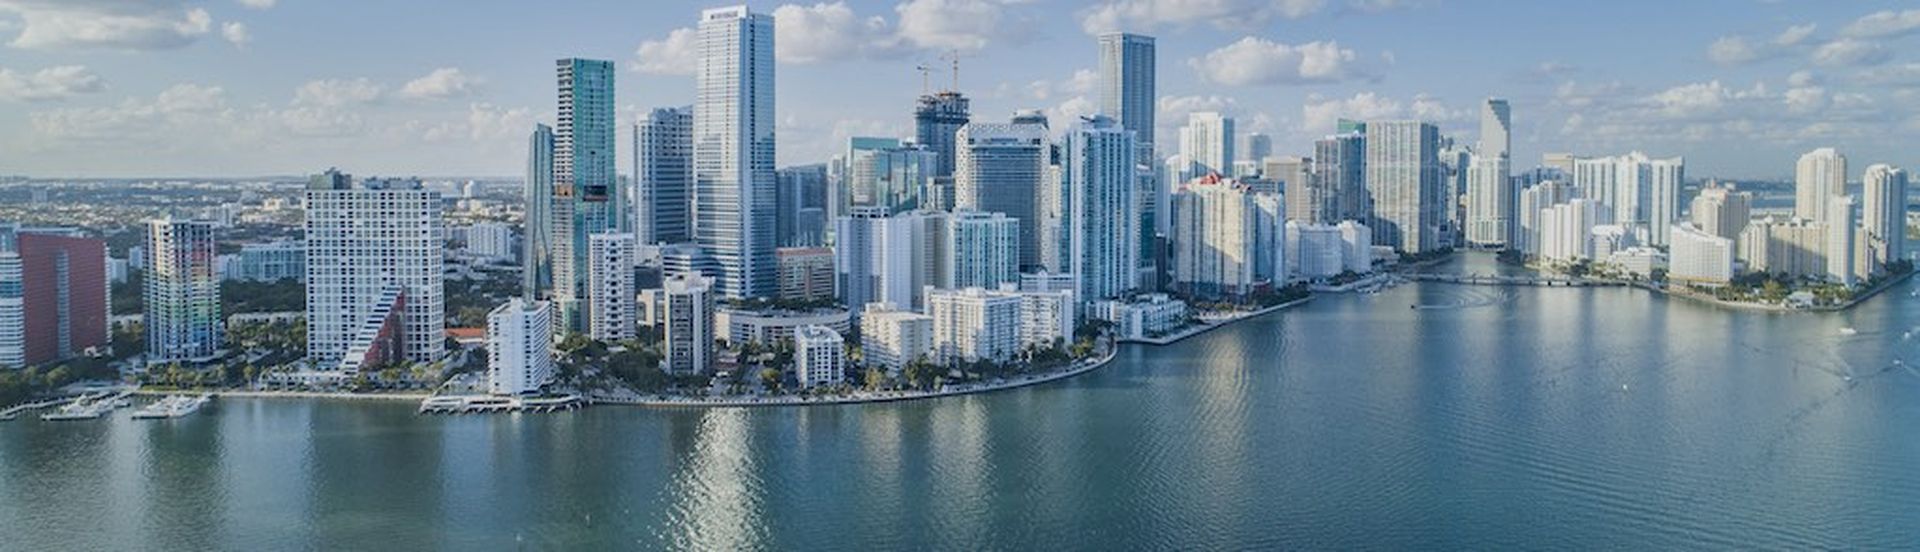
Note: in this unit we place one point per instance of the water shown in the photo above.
(1495, 418)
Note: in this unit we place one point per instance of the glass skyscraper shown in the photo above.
(733, 150)
(585, 185)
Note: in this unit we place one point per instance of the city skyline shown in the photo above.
(86, 96)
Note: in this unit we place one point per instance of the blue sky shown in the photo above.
(451, 87)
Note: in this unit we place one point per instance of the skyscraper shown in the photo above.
(1721, 211)
(1404, 185)
(1127, 77)
(733, 149)
(1340, 167)
(1885, 214)
(662, 175)
(1490, 199)
(584, 181)
(1001, 170)
(374, 274)
(936, 119)
(802, 199)
(1820, 175)
(1227, 238)
(182, 295)
(893, 178)
(1496, 128)
(1256, 148)
(980, 250)
(1099, 220)
(1207, 143)
(1128, 94)
(536, 265)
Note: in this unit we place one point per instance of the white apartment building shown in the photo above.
(818, 356)
(890, 338)
(974, 324)
(374, 262)
(611, 313)
(519, 347)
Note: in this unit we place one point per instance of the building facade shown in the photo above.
(733, 149)
(519, 347)
(374, 274)
(818, 356)
(182, 293)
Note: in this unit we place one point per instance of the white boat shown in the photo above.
(1848, 331)
(172, 407)
(82, 409)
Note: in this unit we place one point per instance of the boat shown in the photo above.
(82, 409)
(172, 407)
(1848, 331)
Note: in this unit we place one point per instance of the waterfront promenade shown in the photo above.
(859, 397)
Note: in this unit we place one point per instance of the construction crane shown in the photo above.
(926, 86)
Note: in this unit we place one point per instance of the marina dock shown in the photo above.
(173, 406)
(484, 404)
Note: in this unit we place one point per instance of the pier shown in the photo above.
(486, 404)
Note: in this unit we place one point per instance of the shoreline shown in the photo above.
(221, 394)
(971, 389)
(1851, 302)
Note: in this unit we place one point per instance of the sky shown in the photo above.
(235, 88)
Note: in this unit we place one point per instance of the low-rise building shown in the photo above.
(891, 338)
(974, 324)
(818, 356)
(769, 326)
(1148, 315)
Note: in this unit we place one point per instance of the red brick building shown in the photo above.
(63, 295)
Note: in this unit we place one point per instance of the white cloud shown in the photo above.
(678, 54)
(1263, 62)
(1849, 51)
(956, 24)
(1081, 83)
(134, 120)
(1803, 78)
(52, 83)
(236, 33)
(258, 4)
(442, 83)
(829, 32)
(337, 92)
(1733, 50)
(1795, 35)
(1116, 15)
(106, 24)
(1884, 24)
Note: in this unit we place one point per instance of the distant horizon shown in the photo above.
(250, 87)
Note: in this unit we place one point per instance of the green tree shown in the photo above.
(770, 378)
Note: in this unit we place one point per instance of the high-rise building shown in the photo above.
(891, 177)
(936, 121)
(53, 295)
(688, 301)
(1533, 201)
(1633, 190)
(882, 257)
(519, 347)
(182, 295)
(1358, 240)
(818, 356)
(1256, 148)
(1128, 94)
(536, 256)
(890, 338)
(1404, 185)
(1884, 216)
(1490, 199)
(587, 199)
(1721, 210)
(1698, 257)
(1820, 175)
(802, 199)
(1227, 238)
(1099, 169)
(374, 275)
(806, 273)
(1496, 129)
(663, 175)
(1842, 228)
(1127, 85)
(1340, 167)
(1002, 169)
(1314, 251)
(1207, 143)
(1789, 247)
(974, 324)
(272, 261)
(1566, 230)
(981, 250)
(610, 260)
(733, 149)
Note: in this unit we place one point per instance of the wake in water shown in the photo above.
(1477, 298)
